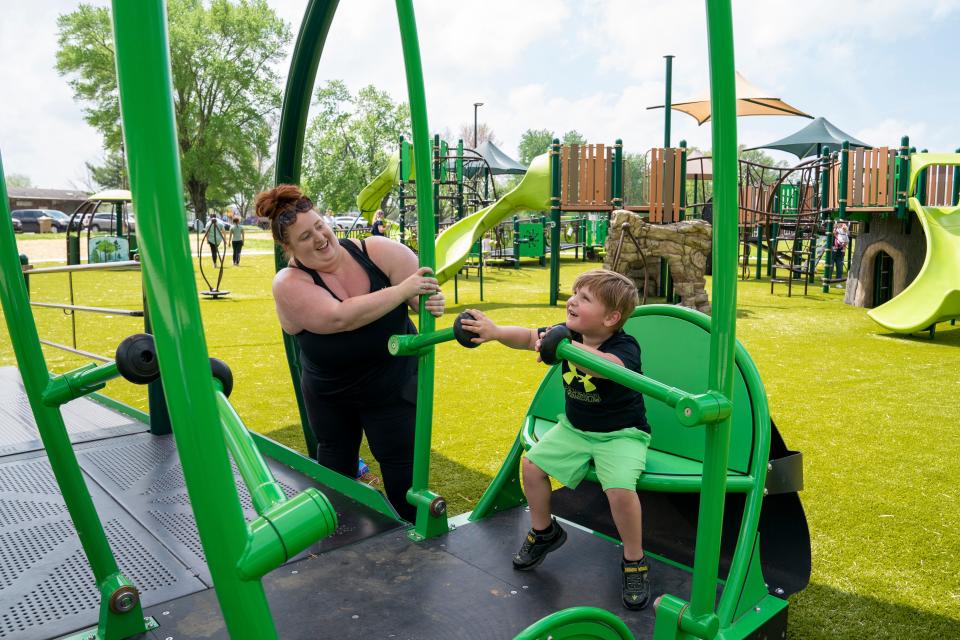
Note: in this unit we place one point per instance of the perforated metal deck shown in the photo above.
(86, 420)
(46, 585)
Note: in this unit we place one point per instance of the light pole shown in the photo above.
(476, 105)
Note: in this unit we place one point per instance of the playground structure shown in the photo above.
(788, 214)
(202, 541)
(118, 242)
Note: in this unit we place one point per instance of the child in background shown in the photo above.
(604, 422)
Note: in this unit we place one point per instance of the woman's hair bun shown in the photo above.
(269, 204)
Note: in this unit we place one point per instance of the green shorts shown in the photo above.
(565, 453)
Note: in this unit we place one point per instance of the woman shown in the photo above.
(342, 301)
(237, 236)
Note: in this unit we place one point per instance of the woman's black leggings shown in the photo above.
(339, 427)
(237, 246)
(214, 253)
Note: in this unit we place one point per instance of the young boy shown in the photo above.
(603, 422)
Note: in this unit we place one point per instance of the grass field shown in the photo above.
(874, 414)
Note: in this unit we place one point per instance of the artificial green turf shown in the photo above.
(873, 413)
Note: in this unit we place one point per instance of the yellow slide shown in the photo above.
(934, 296)
(533, 194)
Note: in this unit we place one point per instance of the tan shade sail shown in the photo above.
(751, 101)
(699, 166)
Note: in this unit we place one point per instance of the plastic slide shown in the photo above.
(934, 296)
(533, 193)
(369, 199)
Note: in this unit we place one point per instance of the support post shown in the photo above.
(401, 192)
(667, 101)
(955, 196)
(922, 184)
(555, 221)
(844, 177)
(460, 210)
(516, 242)
(903, 166)
(436, 186)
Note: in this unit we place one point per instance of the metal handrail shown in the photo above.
(77, 307)
(124, 265)
(79, 352)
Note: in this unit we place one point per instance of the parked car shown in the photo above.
(352, 221)
(17, 226)
(107, 221)
(30, 219)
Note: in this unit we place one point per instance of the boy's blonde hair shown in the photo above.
(613, 290)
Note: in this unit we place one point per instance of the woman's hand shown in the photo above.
(484, 327)
(435, 304)
(419, 283)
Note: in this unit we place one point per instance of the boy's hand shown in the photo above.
(536, 345)
(484, 327)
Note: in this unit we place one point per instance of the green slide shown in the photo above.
(934, 296)
(369, 199)
(533, 193)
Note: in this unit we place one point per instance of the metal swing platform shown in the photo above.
(368, 580)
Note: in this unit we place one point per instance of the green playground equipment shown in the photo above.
(117, 243)
(934, 295)
(717, 462)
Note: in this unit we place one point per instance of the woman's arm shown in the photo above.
(398, 262)
(302, 305)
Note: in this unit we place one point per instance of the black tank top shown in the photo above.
(356, 364)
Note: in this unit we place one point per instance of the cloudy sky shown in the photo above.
(877, 69)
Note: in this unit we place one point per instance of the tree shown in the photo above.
(534, 142)
(18, 181)
(349, 141)
(484, 134)
(573, 137)
(223, 82)
(112, 174)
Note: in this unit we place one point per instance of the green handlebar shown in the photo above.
(692, 408)
(79, 382)
(413, 344)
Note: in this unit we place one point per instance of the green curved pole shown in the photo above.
(724, 314)
(146, 105)
(429, 522)
(578, 622)
(293, 124)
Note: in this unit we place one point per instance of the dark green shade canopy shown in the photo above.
(812, 138)
(500, 163)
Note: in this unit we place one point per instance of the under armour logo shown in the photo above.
(585, 379)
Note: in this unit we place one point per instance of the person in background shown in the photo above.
(214, 234)
(379, 226)
(841, 238)
(342, 300)
(237, 237)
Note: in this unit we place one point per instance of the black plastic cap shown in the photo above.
(462, 335)
(136, 359)
(221, 371)
(550, 342)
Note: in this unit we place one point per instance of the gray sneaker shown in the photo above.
(636, 584)
(536, 546)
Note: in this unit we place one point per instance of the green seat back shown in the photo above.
(675, 348)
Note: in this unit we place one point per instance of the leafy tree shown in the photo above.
(484, 133)
(534, 142)
(349, 141)
(224, 84)
(635, 181)
(112, 174)
(18, 181)
(573, 137)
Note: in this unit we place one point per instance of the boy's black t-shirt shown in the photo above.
(599, 404)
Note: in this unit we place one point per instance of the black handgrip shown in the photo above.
(550, 342)
(136, 359)
(221, 371)
(462, 335)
